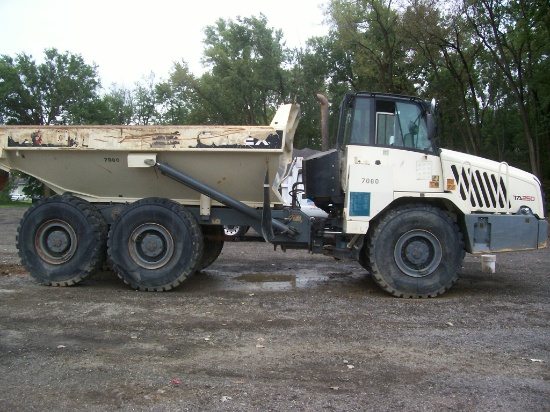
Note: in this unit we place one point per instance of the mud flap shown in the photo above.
(267, 227)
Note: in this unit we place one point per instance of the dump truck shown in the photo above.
(153, 200)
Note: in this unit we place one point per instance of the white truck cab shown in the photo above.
(407, 209)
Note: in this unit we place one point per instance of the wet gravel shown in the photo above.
(270, 331)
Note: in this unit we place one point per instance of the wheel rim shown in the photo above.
(56, 242)
(417, 253)
(151, 246)
(231, 230)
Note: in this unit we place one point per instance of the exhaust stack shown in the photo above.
(324, 121)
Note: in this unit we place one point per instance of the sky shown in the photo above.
(129, 39)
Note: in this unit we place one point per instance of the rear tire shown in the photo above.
(155, 244)
(62, 240)
(212, 247)
(414, 251)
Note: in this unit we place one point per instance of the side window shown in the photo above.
(385, 129)
(357, 127)
(387, 125)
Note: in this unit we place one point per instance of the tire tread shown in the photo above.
(99, 232)
(196, 242)
(369, 259)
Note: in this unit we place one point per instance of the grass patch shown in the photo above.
(5, 205)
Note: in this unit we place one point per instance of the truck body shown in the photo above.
(155, 199)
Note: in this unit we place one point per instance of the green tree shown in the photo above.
(247, 79)
(443, 56)
(62, 90)
(145, 102)
(174, 96)
(186, 99)
(18, 91)
(9, 186)
(515, 34)
(370, 33)
(58, 91)
(322, 67)
(118, 106)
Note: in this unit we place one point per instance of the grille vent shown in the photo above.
(485, 190)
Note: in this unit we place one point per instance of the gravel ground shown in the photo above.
(270, 331)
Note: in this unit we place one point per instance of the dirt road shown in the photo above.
(271, 331)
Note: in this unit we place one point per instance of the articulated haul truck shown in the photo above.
(154, 199)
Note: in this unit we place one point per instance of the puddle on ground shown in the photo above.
(268, 281)
(264, 277)
(212, 279)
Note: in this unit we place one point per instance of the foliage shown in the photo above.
(8, 188)
(57, 91)
(246, 80)
(33, 188)
(119, 106)
(145, 101)
(516, 40)
(370, 32)
(174, 96)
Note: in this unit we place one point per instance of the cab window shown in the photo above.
(379, 122)
(401, 124)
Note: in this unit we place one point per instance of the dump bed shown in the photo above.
(98, 163)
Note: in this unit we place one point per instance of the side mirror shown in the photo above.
(430, 123)
(434, 107)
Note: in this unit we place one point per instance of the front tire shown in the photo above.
(61, 240)
(155, 244)
(414, 251)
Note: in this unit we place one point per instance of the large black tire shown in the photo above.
(155, 244)
(212, 246)
(414, 251)
(62, 240)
